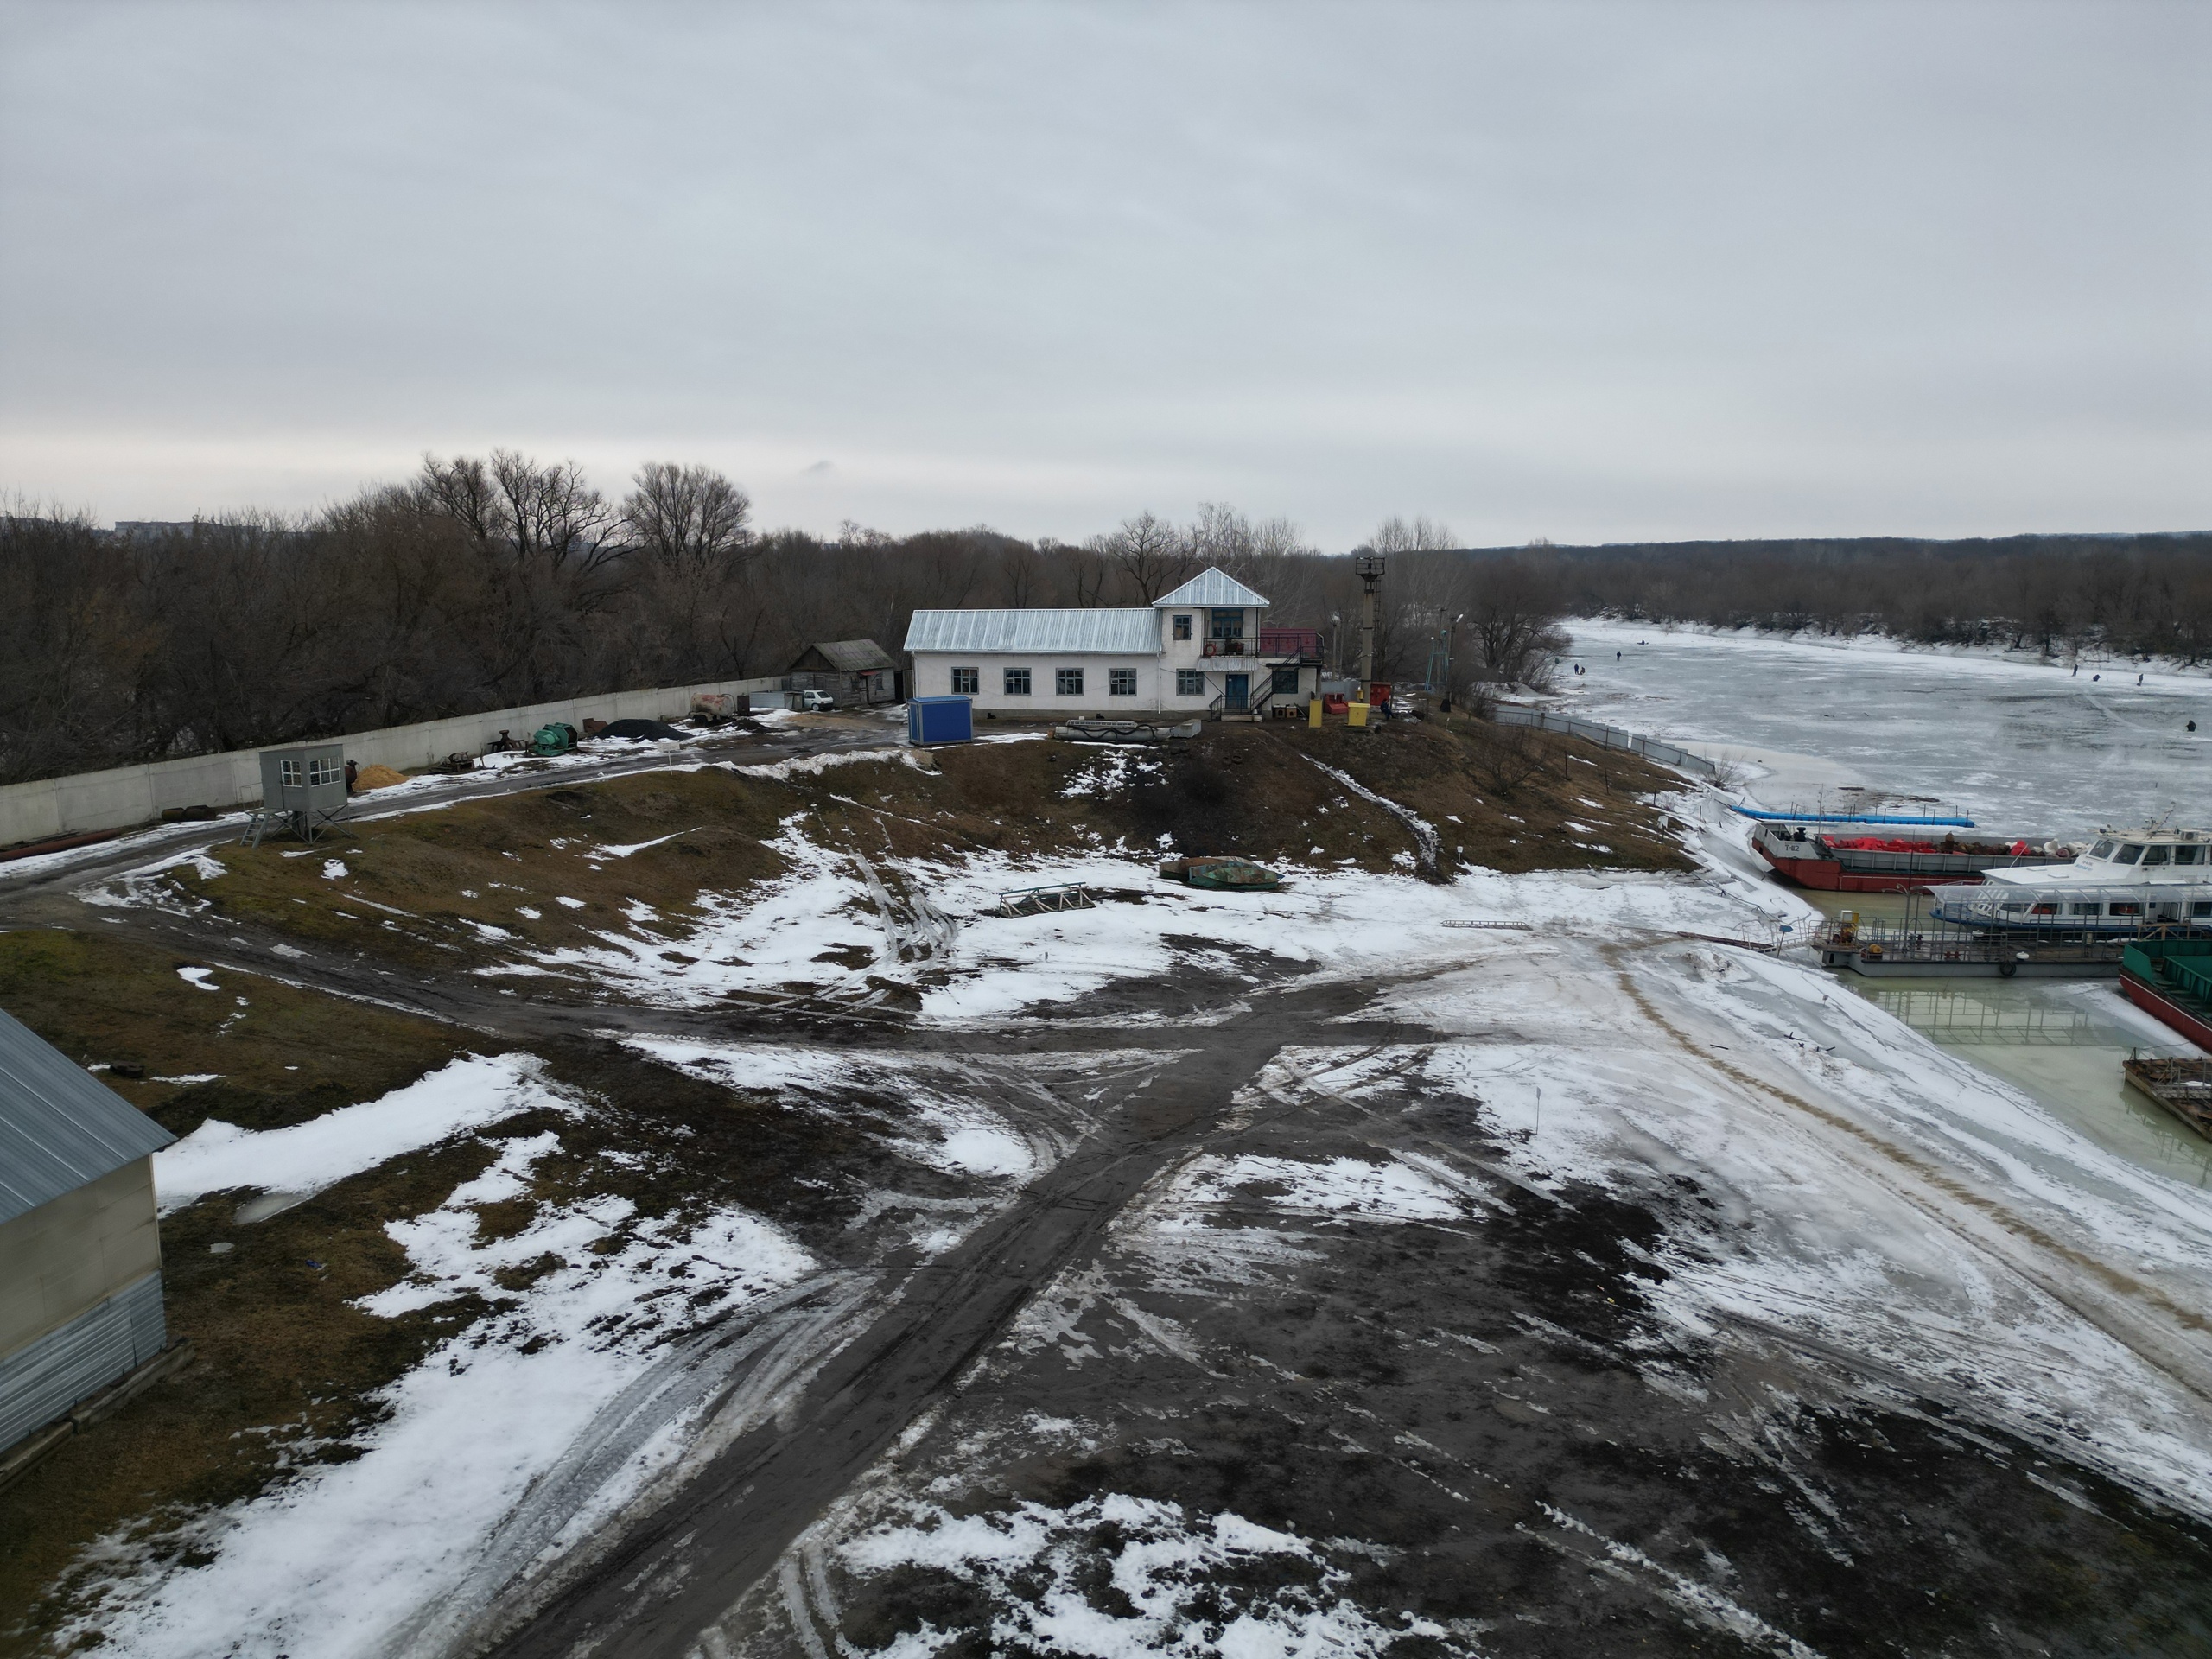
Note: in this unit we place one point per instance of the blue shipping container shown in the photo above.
(939, 720)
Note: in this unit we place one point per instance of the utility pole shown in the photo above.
(1368, 567)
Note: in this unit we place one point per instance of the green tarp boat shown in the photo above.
(1221, 875)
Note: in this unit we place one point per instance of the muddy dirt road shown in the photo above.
(682, 1570)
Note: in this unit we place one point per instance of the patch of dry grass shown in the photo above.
(483, 883)
(277, 1055)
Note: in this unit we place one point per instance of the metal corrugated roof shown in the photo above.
(1065, 632)
(1211, 587)
(852, 656)
(60, 1126)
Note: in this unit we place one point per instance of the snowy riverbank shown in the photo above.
(1920, 1229)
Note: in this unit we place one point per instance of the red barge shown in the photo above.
(1857, 862)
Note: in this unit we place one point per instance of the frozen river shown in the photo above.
(2024, 747)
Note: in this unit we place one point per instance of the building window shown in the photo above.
(1182, 627)
(1190, 682)
(1017, 682)
(324, 771)
(1068, 682)
(1286, 683)
(1121, 682)
(1227, 625)
(966, 681)
(288, 772)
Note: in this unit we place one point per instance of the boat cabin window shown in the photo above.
(2102, 850)
(2186, 855)
(2128, 854)
(2088, 909)
(2125, 907)
(2154, 855)
(2045, 910)
(2199, 909)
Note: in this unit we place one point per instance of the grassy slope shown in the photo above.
(282, 1364)
(286, 1365)
(419, 891)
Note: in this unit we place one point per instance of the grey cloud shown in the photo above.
(1596, 272)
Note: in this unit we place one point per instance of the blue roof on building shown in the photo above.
(1065, 632)
(60, 1126)
(1214, 587)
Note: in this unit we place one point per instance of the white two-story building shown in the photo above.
(1200, 650)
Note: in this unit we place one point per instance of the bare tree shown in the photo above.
(1512, 610)
(1394, 534)
(1152, 555)
(1508, 757)
(555, 515)
(689, 515)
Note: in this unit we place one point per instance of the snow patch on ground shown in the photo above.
(1176, 1584)
(945, 1128)
(1876, 1197)
(337, 1562)
(1111, 772)
(1389, 1191)
(466, 1094)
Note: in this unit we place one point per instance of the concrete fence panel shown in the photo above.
(126, 796)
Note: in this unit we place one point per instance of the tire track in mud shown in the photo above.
(2181, 1366)
(679, 1570)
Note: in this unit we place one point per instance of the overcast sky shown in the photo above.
(1595, 273)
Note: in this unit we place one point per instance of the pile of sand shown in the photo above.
(378, 777)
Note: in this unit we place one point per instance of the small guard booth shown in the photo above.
(302, 788)
(939, 720)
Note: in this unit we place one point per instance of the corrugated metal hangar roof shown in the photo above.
(60, 1126)
(1068, 632)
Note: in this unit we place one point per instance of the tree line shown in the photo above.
(486, 583)
(2139, 596)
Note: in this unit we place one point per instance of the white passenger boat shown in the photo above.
(2129, 880)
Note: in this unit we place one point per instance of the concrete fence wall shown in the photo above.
(125, 795)
(1610, 737)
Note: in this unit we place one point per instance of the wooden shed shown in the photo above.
(851, 671)
(80, 1254)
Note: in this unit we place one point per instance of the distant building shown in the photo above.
(851, 671)
(80, 1254)
(1200, 650)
